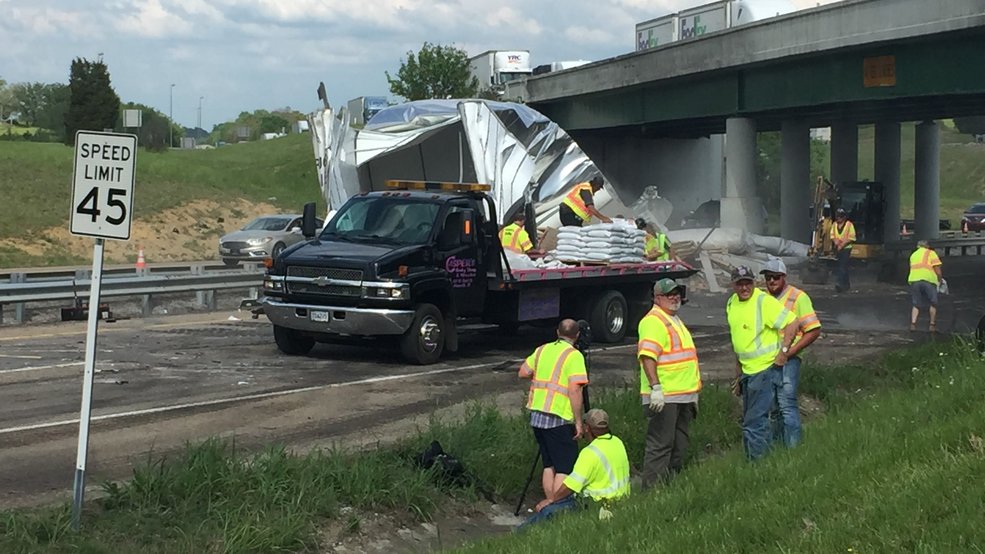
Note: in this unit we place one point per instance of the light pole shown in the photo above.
(171, 118)
(200, 98)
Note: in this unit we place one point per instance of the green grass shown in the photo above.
(35, 179)
(7, 128)
(962, 169)
(893, 465)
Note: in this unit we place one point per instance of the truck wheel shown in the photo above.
(424, 342)
(609, 317)
(291, 342)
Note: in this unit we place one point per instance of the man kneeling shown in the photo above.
(601, 473)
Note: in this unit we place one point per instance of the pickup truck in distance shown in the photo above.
(414, 261)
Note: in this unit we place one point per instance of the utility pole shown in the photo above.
(200, 98)
(171, 118)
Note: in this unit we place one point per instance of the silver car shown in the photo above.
(264, 237)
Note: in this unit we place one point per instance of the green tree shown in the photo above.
(52, 114)
(973, 125)
(94, 105)
(7, 99)
(435, 72)
(153, 131)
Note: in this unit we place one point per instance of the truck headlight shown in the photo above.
(273, 285)
(390, 293)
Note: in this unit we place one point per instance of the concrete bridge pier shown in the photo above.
(927, 181)
(844, 152)
(795, 181)
(887, 172)
(740, 207)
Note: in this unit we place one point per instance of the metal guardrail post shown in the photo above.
(18, 307)
(146, 302)
(200, 295)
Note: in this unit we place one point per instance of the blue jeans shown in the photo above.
(786, 414)
(758, 398)
(842, 281)
(564, 505)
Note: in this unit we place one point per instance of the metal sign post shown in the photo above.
(102, 200)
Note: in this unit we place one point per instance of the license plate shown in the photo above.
(234, 250)
(318, 316)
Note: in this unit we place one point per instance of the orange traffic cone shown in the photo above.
(141, 263)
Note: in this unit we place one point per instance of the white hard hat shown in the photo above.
(774, 265)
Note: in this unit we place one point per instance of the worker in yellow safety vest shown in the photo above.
(924, 279)
(656, 245)
(762, 330)
(557, 372)
(669, 382)
(600, 474)
(578, 205)
(786, 416)
(514, 237)
(843, 237)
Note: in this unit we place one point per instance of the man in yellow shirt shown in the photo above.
(762, 330)
(578, 205)
(843, 237)
(557, 373)
(514, 237)
(600, 474)
(670, 381)
(656, 246)
(924, 280)
(786, 423)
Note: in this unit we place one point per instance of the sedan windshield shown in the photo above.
(267, 224)
(382, 219)
(977, 209)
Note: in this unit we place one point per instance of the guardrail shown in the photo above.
(967, 245)
(203, 279)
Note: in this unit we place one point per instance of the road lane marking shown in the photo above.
(39, 367)
(20, 357)
(274, 394)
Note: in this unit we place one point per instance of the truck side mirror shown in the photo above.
(308, 220)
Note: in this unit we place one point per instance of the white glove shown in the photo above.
(942, 287)
(657, 400)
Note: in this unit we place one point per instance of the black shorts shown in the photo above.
(558, 447)
(568, 216)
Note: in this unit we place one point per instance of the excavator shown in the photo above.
(864, 202)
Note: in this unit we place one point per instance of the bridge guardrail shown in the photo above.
(203, 279)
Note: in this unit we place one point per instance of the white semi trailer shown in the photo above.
(708, 18)
(495, 68)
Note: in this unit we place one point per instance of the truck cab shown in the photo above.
(387, 263)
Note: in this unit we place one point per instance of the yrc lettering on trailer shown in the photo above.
(103, 180)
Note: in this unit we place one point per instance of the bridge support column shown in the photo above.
(927, 181)
(741, 208)
(844, 152)
(795, 181)
(887, 172)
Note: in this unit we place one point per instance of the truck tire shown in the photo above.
(424, 342)
(291, 342)
(609, 317)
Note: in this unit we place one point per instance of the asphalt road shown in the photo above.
(163, 381)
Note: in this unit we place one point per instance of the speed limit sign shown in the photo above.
(103, 178)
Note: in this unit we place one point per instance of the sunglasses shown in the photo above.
(671, 293)
(774, 277)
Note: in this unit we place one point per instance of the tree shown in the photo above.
(94, 105)
(972, 125)
(153, 131)
(7, 99)
(436, 72)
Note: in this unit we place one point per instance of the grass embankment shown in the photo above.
(962, 169)
(894, 465)
(36, 178)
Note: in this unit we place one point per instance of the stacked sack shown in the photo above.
(619, 242)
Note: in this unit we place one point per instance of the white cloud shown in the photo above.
(148, 18)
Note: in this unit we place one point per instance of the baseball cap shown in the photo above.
(742, 273)
(840, 211)
(597, 418)
(666, 285)
(774, 265)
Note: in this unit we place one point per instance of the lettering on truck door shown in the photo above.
(461, 258)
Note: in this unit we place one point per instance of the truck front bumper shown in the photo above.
(338, 320)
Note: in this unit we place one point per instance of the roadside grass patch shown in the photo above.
(895, 464)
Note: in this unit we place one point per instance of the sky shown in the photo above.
(231, 56)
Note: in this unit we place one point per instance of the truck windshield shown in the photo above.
(383, 219)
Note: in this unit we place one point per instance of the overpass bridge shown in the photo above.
(842, 65)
